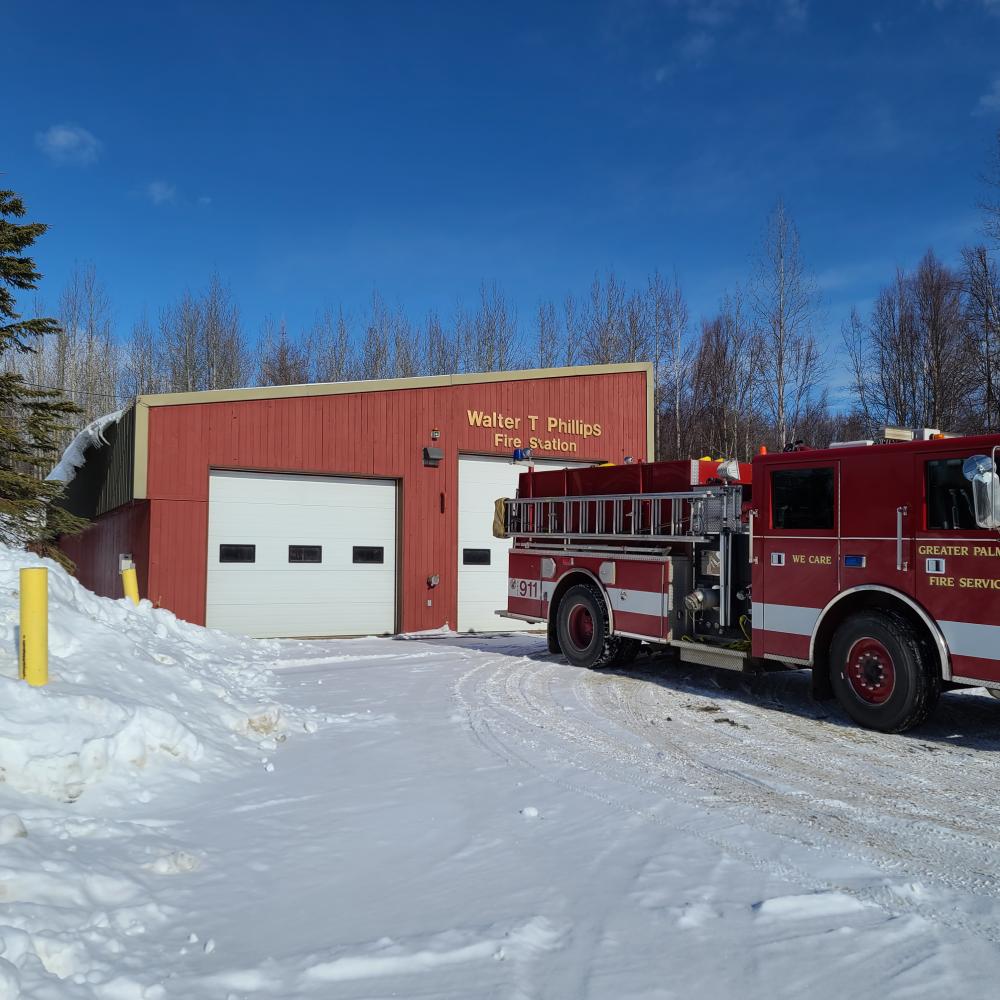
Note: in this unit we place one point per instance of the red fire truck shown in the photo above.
(875, 563)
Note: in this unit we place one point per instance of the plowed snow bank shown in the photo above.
(132, 690)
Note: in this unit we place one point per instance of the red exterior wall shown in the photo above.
(382, 434)
(96, 550)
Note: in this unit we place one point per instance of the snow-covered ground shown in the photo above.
(188, 815)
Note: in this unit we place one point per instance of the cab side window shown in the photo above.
(802, 499)
(950, 505)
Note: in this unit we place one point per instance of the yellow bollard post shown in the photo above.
(34, 651)
(130, 584)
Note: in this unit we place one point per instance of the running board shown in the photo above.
(712, 656)
(502, 613)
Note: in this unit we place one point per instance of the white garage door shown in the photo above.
(482, 559)
(301, 555)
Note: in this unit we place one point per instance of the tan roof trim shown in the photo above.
(384, 385)
(143, 403)
(140, 459)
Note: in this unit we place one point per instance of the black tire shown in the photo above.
(583, 628)
(882, 672)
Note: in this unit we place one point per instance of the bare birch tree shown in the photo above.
(407, 357)
(492, 341)
(572, 321)
(910, 367)
(671, 358)
(332, 352)
(281, 361)
(548, 352)
(224, 354)
(202, 345)
(376, 347)
(937, 292)
(723, 417)
(982, 289)
(141, 362)
(785, 300)
(990, 203)
(82, 359)
(180, 344)
(604, 333)
(444, 351)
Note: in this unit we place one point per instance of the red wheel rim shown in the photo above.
(870, 671)
(580, 626)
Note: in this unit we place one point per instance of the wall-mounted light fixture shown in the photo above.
(435, 434)
(432, 457)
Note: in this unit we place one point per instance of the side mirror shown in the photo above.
(981, 472)
(986, 497)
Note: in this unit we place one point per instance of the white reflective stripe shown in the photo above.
(636, 602)
(969, 639)
(784, 618)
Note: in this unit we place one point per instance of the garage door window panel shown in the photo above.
(305, 553)
(237, 553)
(369, 555)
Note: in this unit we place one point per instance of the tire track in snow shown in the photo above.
(524, 709)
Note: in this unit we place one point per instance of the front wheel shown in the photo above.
(583, 628)
(881, 672)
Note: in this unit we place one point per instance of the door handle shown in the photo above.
(901, 512)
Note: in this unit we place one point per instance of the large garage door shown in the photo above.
(301, 555)
(482, 559)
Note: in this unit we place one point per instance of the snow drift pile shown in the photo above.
(136, 701)
(132, 690)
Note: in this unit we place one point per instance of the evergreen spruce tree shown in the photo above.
(31, 418)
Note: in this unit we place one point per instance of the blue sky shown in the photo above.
(310, 152)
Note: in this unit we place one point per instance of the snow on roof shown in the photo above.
(92, 436)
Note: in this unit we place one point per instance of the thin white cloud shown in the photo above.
(792, 13)
(695, 47)
(160, 192)
(69, 144)
(204, 200)
(990, 101)
(709, 13)
(990, 6)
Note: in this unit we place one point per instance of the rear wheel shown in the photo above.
(881, 672)
(583, 629)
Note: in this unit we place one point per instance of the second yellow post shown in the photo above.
(130, 584)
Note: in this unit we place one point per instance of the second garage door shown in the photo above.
(301, 555)
(482, 559)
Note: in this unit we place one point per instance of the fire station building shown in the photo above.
(341, 508)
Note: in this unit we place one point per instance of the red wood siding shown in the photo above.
(96, 550)
(365, 434)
